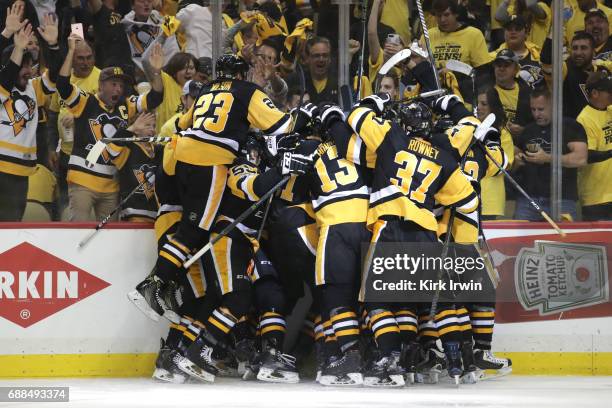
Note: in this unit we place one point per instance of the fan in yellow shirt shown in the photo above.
(493, 191)
(190, 92)
(42, 195)
(579, 9)
(594, 187)
(179, 69)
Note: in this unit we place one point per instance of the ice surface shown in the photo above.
(512, 391)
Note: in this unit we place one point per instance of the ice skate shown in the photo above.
(344, 370)
(453, 357)
(385, 372)
(409, 359)
(430, 369)
(166, 365)
(471, 373)
(155, 298)
(486, 361)
(199, 361)
(276, 366)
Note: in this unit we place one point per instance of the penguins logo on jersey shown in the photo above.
(105, 126)
(141, 36)
(140, 174)
(20, 110)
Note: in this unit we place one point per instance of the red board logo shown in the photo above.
(35, 284)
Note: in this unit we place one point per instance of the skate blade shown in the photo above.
(431, 377)
(139, 301)
(486, 375)
(396, 380)
(161, 374)
(277, 376)
(188, 367)
(409, 378)
(318, 377)
(470, 377)
(348, 380)
(456, 380)
(249, 375)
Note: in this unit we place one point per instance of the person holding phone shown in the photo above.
(392, 43)
(533, 154)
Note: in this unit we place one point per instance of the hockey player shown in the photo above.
(231, 256)
(340, 201)
(221, 116)
(410, 174)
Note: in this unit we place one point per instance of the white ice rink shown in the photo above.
(512, 391)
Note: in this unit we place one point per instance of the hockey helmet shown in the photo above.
(416, 118)
(230, 65)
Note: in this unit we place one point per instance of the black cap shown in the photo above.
(595, 12)
(506, 55)
(516, 21)
(114, 72)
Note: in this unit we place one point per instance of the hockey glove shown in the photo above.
(445, 103)
(304, 115)
(293, 163)
(328, 114)
(376, 102)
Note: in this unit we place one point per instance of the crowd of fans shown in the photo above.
(76, 68)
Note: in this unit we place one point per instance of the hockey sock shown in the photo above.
(176, 331)
(345, 326)
(307, 329)
(407, 321)
(191, 332)
(219, 323)
(272, 327)
(427, 332)
(465, 326)
(448, 325)
(170, 260)
(385, 329)
(483, 320)
(318, 329)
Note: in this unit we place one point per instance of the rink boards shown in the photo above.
(65, 313)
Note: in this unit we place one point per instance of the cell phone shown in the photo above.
(393, 38)
(77, 29)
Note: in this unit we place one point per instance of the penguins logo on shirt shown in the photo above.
(141, 36)
(140, 174)
(105, 126)
(20, 109)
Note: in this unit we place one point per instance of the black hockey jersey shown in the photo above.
(410, 173)
(222, 115)
(135, 161)
(338, 188)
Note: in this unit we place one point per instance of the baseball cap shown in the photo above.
(192, 88)
(114, 72)
(600, 80)
(506, 55)
(595, 12)
(517, 21)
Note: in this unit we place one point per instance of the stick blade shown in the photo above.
(94, 154)
(458, 66)
(394, 60)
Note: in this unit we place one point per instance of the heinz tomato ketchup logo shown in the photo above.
(35, 284)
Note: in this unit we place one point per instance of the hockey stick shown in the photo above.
(100, 146)
(428, 43)
(523, 192)
(237, 221)
(465, 69)
(486, 123)
(153, 139)
(109, 216)
(394, 60)
(364, 17)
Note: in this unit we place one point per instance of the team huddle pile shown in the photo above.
(380, 174)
